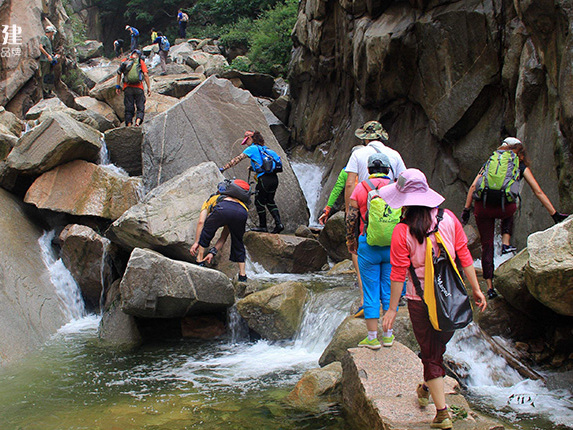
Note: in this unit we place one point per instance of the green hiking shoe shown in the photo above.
(388, 341)
(372, 344)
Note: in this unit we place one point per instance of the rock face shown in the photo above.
(314, 384)
(333, 237)
(156, 287)
(208, 125)
(124, 148)
(116, 328)
(99, 107)
(275, 313)
(30, 309)
(10, 124)
(89, 49)
(549, 274)
(55, 141)
(176, 86)
(448, 80)
(279, 253)
(82, 188)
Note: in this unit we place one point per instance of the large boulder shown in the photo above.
(218, 114)
(30, 309)
(89, 49)
(7, 142)
(100, 70)
(90, 118)
(45, 105)
(55, 141)
(258, 84)
(549, 274)
(176, 86)
(100, 107)
(333, 237)
(208, 64)
(279, 253)
(275, 313)
(82, 188)
(10, 123)
(154, 286)
(117, 328)
(124, 148)
(315, 385)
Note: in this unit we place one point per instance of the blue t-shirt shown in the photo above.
(134, 32)
(254, 154)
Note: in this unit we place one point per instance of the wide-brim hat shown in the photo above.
(372, 130)
(411, 189)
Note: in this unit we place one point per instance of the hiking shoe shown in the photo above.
(491, 294)
(278, 228)
(388, 341)
(372, 344)
(506, 249)
(242, 278)
(359, 313)
(442, 420)
(423, 395)
(260, 229)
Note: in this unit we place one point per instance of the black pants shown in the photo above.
(265, 198)
(182, 29)
(234, 216)
(133, 98)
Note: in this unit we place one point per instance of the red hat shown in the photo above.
(244, 185)
(248, 134)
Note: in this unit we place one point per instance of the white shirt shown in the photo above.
(358, 162)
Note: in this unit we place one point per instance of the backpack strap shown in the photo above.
(370, 184)
(439, 217)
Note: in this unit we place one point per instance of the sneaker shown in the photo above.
(278, 228)
(388, 341)
(506, 249)
(359, 313)
(491, 294)
(442, 420)
(242, 278)
(372, 344)
(423, 395)
(260, 229)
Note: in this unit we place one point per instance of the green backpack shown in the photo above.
(133, 74)
(380, 218)
(499, 182)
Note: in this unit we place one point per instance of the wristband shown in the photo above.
(213, 251)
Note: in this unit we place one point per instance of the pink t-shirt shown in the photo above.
(360, 195)
(405, 249)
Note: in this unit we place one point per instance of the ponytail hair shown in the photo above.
(258, 138)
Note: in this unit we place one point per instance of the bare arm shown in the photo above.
(198, 230)
(146, 79)
(390, 315)
(349, 188)
(223, 238)
(471, 191)
(235, 161)
(479, 298)
(43, 51)
(530, 179)
(118, 84)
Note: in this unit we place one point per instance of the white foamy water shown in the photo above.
(88, 323)
(498, 258)
(106, 163)
(310, 179)
(67, 289)
(500, 388)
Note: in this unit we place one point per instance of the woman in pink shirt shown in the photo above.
(419, 202)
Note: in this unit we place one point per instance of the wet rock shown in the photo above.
(258, 84)
(315, 385)
(474, 244)
(202, 327)
(10, 123)
(345, 267)
(549, 274)
(154, 286)
(100, 70)
(180, 53)
(176, 86)
(502, 319)
(275, 313)
(124, 148)
(117, 328)
(280, 89)
(304, 231)
(165, 157)
(30, 310)
(55, 141)
(82, 188)
(279, 253)
(277, 127)
(89, 49)
(45, 105)
(281, 108)
(333, 237)
(99, 107)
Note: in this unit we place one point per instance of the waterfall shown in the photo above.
(102, 272)
(67, 289)
(105, 162)
(310, 179)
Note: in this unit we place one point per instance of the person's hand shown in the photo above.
(480, 300)
(221, 169)
(558, 217)
(465, 215)
(208, 258)
(352, 245)
(148, 92)
(324, 216)
(388, 319)
(194, 249)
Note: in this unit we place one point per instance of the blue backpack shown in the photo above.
(164, 44)
(271, 161)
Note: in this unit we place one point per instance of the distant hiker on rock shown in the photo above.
(164, 47)
(377, 221)
(374, 134)
(266, 163)
(408, 251)
(182, 19)
(134, 37)
(496, 191)
(227, 208)
(47, 62)
(154, 34)
(134, 72)
(118, 47)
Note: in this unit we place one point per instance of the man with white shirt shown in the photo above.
(357, 168)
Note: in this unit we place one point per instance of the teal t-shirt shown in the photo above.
(47, 44)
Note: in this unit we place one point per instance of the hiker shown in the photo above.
(419, 203)
(374, 135)
(228, 209)
(492, 202)
(377, 221)
(118, 47)
(134, 72)
(182, 19)
(47, 61)
(134, 37)
(164, 46)
(154, 34)
(265, 175)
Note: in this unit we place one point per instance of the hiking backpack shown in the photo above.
(229, 188)
(499, 182)
(380, 218)
(164, 44)
(271, 161)
(133, 73)
(184, 17)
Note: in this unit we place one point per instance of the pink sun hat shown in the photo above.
(248, 134)
(411, 189)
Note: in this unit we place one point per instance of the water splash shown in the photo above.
(237, 325)
(310, 179)
(498, 258)
(105, 162)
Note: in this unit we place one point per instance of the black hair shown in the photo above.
(258, 138)
(419, 219)
(159, 33)
(378, 168)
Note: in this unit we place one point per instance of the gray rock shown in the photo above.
(333, 237)
(99, 107)
(10, 123)
(30, 310)
(315, 385)
(275, 313)
(116, 328)
(124, 148)
(279, 253)
(89, 49)
(176, 86)
(45, 105)
(164, 156)
(281, 89)
(258, 84)
(281, 108)
(7, 142)
(154, 286)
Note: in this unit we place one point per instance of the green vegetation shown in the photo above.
(78, 26)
